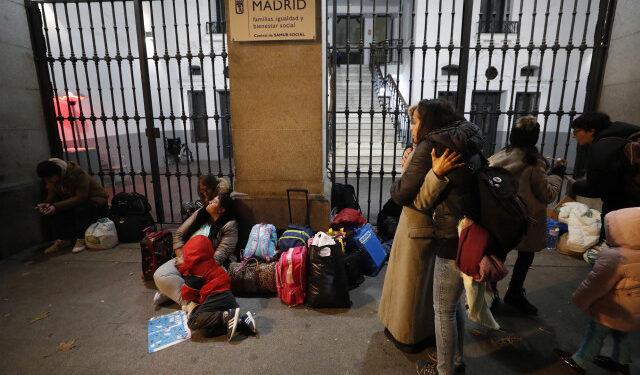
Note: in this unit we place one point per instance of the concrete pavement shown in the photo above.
(98, 299)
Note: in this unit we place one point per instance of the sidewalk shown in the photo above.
(98, 299)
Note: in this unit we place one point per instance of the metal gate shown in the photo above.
(495, 60)
(136, 92)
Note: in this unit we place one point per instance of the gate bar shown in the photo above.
(151, 131)
(467, 14)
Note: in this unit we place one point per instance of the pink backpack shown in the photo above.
(291, 276)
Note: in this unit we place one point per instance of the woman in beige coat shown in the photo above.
(537, 190)
(611, 295)
(406, 306)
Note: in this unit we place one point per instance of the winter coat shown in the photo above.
(607, 175)
(536, 189)
(458, 199)
(75, 188)
(202, 276)
(224, 242)
(406, 305)
(611, 291)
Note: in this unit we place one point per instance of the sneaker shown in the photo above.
(520, 302)
(57, 246)
(459, 367)
(610, 365)
(79, 246)
(426, 368)
(230, 318)
(247, 323)
(568, 362)
(159, 299)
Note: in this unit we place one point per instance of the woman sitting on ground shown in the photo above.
(209, 186)
(215, 221)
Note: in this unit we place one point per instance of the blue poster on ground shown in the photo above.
(167, 330)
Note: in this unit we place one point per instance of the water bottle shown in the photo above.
(552, 238)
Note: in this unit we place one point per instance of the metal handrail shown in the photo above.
(392, 98)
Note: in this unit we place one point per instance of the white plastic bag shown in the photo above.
(101, 235)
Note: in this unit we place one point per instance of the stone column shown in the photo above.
(276, 114)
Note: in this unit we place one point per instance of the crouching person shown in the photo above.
(212, 306)
(74, 201)
(610, 295)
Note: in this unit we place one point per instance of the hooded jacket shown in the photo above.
(535, 188)
(75, 187)
(202, 275)
(611, 291)
(457, 199)
(608, 177)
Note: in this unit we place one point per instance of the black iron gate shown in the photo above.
(495, 60)
(136, 92)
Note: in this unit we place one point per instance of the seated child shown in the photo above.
(207, 286)
(610, 295)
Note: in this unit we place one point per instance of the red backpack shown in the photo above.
(291, 276)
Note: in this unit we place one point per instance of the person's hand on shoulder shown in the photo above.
(445, 163)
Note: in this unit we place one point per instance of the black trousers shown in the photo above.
(214, 305)
(72, 223)
(520, 269)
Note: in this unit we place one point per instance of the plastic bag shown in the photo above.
(327, 282)
(101, 235)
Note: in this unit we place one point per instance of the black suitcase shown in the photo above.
(353, 267)
(130, 228)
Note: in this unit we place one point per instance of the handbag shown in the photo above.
(253, 277)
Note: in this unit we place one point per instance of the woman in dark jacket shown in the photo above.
(406, 306)
(453, 204)
(215, 221)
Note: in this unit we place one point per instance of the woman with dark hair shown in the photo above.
(406, 306)
(209, 186)
(537, 190)
(217, 222)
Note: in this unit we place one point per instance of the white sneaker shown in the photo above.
(159, 299)
(79, 246)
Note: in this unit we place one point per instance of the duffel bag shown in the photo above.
(253, 277)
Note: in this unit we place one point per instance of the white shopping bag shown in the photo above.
(101, 234)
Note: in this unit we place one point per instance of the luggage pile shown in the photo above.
(301, 266)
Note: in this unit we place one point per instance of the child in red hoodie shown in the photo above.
(207, 286)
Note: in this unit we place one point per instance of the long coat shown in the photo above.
(406, 306)
(536, 189)
(611, 291)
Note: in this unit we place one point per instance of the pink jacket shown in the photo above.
(611, 291)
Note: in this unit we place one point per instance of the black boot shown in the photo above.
(519, 300)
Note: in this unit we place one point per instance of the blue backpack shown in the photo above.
(294, 236)
(261, 244)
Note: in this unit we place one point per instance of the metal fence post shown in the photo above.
(602, 37)
(151, 131)
(463, 63)
(46, 91)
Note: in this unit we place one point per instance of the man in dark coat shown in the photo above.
(609, 173)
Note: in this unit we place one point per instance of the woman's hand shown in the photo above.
(405, 155)
(445, 163)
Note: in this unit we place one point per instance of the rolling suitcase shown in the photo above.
(156, 249)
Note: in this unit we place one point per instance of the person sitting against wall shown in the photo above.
(215, 221)
(212, 306)
(74, 201)
(209, 186)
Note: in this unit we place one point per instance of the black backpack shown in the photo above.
(501, 210)
(343, 196)
(131, 213)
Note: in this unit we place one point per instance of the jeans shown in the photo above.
(449, 315)
(169, 281)
(592, 343)
(212, 311)
(73, 222)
